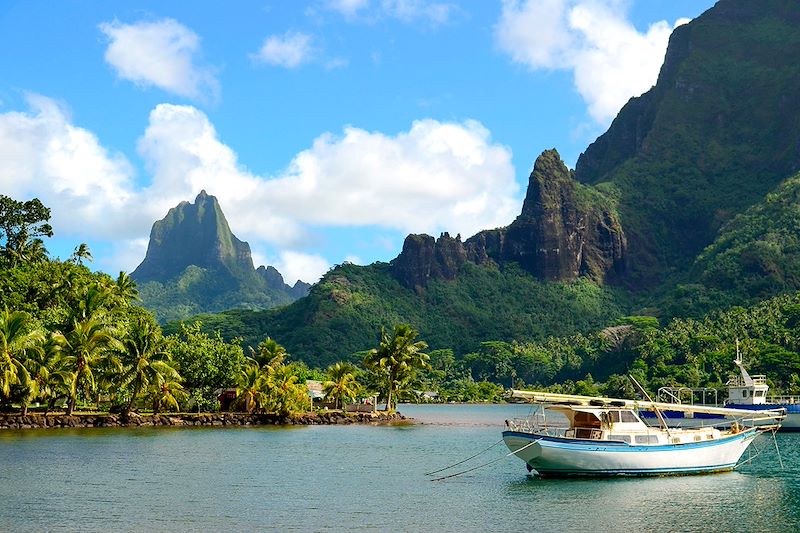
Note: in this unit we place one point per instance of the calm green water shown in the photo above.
(341, 478)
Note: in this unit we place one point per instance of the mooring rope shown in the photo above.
(777, 450)
(487, 464)
(465, 460)
(760, 451)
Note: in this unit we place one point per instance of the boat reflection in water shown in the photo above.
(606, 437)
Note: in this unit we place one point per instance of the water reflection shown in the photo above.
(360, 477)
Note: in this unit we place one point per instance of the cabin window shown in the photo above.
(628, 416)
(624, 438)
(584, 419)
(613, 416)
(745, 393)
(698, 438)
(759, 393)
(646, 439)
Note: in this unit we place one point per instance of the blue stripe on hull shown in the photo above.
(614, 448)
(619, 446)
(643, 472)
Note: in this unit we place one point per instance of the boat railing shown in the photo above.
(738, 381)
(690, 396)
(537, 425)
(792, 400)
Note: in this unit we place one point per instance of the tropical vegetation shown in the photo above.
(78, 339)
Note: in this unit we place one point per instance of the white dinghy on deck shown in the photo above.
(605, 437)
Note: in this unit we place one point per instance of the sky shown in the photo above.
(328, 129)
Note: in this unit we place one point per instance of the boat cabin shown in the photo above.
(622, 425)
(591, 422)
(745, 389)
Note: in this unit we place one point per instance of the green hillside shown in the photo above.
(695, 211)
(345, 310)
(718, 132)
(197, 290)
(757, 254)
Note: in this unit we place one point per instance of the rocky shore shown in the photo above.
(39, 421)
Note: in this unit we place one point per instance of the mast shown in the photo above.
(748, 381)
(656, 409)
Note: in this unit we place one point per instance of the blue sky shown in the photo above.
(328, 129)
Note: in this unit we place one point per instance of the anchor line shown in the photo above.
(777, 450)
(487, 464)
(465, 460)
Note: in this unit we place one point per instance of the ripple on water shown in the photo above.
(337, 478)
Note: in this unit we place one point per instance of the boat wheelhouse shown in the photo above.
(579, 435)
(745, 392)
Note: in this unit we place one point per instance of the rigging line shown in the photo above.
(748, 460)
(487, 464)
(750, 455)
(465, 460)
(777, 450)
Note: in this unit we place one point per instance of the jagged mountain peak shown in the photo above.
(559, 235)
(195, 264)
(193, 234)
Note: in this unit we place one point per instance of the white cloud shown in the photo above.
(434, 177)
(410, 10)
(289, 50)
(435, 13)
(610, 59)
(183, 154)
(126, 254)
(348, 8)
(295, 266)
(88, 188)
(164, 54)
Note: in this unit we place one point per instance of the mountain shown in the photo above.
(686, 204)
(344, 311)
(195, 264)
(565, 230)
(719, 131)
(539, 276)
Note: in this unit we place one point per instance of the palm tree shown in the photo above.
(32, 251)
(86, 347)
(269, 353)
(397, 358)
(91, 304)
(284, 393)
(43, 365)
(126, 288)
(341, 383)
(144, 359)
(166, 394)
(251, 384)
(81, 253)
(18, 338)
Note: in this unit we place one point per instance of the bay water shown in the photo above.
(363, 478)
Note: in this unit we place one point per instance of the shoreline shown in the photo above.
(106, 420)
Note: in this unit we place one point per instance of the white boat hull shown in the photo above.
(554, 456)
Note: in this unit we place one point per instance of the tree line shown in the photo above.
(74, 338)
(71, 337)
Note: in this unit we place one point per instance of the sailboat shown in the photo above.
(574, 435)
